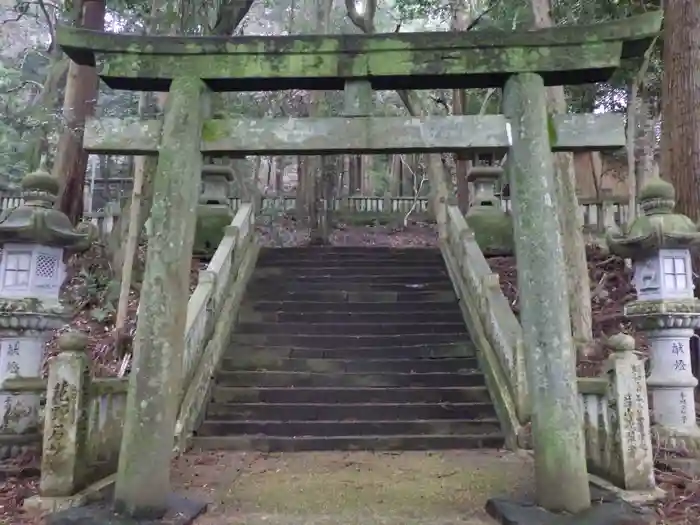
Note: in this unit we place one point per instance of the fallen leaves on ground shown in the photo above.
(681, 504)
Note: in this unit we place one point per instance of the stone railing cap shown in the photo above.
(622, 343)
(73, 341)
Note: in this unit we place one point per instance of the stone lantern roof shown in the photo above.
(37, 222)
(493, 228)
(658, 227)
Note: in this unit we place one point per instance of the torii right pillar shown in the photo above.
(557, 423)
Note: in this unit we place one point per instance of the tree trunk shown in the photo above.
(279, 175)
(79, 103)
(366, 162)
(438, 189)
(680, 150)
(646, 166)
(44, 105)
(635, 106)
(578, 283)
(317, 174)
(460, 22)
(395, 175)
(300, 203)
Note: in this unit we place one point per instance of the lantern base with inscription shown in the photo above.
(34, 238)
(669, 325)
(23, 336)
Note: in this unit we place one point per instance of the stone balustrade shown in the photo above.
(211, 312)
(615, 411)
(83, 419)
(614, 406)
(493, 326)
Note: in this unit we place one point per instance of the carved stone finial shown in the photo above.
(657, 196)
(73, 341)
(40, 188)
(622, 343)
(657, 228)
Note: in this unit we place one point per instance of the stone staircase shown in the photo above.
(348, 349)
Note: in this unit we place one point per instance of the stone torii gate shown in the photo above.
(522, 63)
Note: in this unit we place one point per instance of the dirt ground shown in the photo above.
(348, 488)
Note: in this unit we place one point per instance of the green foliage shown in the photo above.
(418, 9)
(12, 148)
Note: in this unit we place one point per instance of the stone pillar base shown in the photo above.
(13, 445)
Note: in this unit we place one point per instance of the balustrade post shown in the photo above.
(632, 466)
(386, 203)
(63, 460)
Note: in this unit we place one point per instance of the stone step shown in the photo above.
(358, 329)
(436, 271)
(329, 318)
(352, 412)
(369, 308)
(344, 341)
(351, 398)
(366, 253)
(340, 296)
(350, 428)
(432, 350)
(376, 443)
(277, 287)
(344, 250)
(350, 280)
(359, 261)
(255, 362)
(275, 379)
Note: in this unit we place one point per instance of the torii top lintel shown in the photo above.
(562, 55)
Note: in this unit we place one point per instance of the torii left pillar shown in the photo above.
(143, 476)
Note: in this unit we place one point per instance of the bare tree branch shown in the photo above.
(21, 86)
(481, 15)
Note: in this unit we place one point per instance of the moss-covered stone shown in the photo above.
(212, 220)
(563, 55)
(317, 136)
(493, 228)
(658, 227)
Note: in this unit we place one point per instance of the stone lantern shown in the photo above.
(493, 228)
(214, 212)
(659, 242)
(34, 238)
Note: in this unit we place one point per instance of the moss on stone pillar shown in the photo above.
(557, 423)
(143, 476)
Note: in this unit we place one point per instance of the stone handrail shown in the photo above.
(213, 283)
(494, 327)
(615, 412)
(212, 312)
